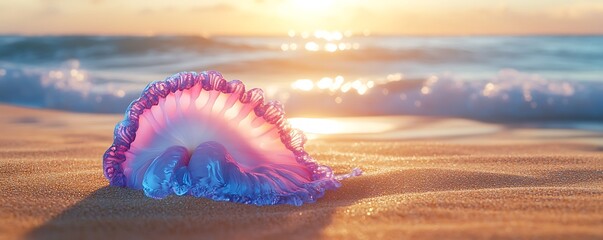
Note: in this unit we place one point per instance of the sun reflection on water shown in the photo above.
(319, 40)
(316, 125)
(334, 85)
(330, 126)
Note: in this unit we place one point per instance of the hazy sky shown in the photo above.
(432, 17)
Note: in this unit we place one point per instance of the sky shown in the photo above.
(277, 17)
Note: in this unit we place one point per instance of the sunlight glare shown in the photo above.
(325, 126)
(324, 83)
(316, 125)
(303, 84)
(330, 47)
(312, 46)
(312, 5)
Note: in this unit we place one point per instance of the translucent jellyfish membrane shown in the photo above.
(197, 134)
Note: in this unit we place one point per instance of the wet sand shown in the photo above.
(427, 178)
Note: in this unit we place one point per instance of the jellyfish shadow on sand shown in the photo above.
(113, 212)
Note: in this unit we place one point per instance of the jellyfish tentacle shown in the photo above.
(160, 175)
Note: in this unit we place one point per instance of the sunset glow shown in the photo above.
(313, 5)
(301, 18)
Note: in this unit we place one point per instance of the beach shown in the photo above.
(489, 126)
(424, 178)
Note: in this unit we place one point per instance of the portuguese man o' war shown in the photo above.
(197, 134)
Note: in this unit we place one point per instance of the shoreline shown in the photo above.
(431, 178)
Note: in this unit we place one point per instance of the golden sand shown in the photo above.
(513, 182)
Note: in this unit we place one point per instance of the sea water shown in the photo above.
(500, 78)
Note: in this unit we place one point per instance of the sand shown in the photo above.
(434, 182)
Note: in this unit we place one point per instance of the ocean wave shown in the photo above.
(576, 57)
(556, 77)
(507, 96)
(568, 52)
(62, 48)
(66, 88)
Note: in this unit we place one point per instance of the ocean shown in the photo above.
(327, 74)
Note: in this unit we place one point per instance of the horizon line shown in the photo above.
(285, 35)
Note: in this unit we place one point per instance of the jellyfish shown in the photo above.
(201, 135)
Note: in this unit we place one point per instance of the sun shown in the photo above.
(312, 5)
(309, 15)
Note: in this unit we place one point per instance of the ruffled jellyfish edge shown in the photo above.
(272, 111)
